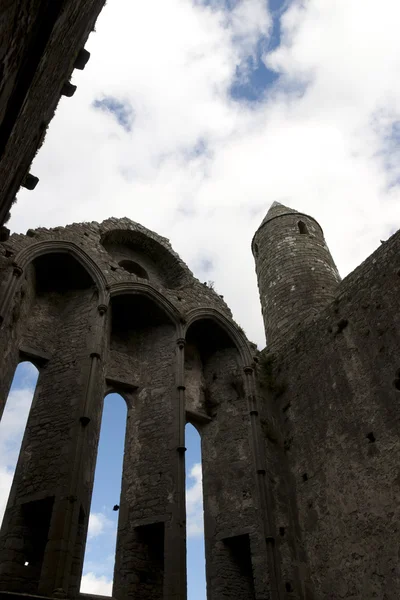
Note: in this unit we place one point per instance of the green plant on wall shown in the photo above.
(267, 376)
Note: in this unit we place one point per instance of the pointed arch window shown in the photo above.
(195, 551)
(13, 425)
(100, 548)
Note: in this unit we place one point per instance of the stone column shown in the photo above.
(8, 291)
(175, 535)
(264, 493)
(57, 578)
(150, 557)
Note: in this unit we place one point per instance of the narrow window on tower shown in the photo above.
(99, 560)
(13, 424)
(195, 554)
(302, 227)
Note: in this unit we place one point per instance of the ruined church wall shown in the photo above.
(337, 381)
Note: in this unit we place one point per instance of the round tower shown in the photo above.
(295, 270)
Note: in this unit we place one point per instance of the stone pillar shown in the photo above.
(263, 490)
(175, 535)
(57, 578)
(150, 556)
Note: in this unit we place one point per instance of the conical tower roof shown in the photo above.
(276, 210)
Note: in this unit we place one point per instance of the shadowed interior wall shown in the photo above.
(110, 331)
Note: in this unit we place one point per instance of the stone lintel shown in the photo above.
(229, 534)
(38, 357)
(196, 417)
(151, 521)
(120, 384)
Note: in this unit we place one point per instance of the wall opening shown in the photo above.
(303, 229)
(13, 424)
(195, 551)
(238, 570)
(157, 259)
(99, 558)
(149, 541)
(35, 524)
(134, 268)
(60, 273)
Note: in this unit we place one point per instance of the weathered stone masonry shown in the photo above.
(150, 331)
(331, 419)
(300, 443)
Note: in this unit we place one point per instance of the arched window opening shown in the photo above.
(12, 428)
(302, 227)
(209, 337)
(133, 315)
(99, 559)
(157, 258)
(134, 268)
(195, 552)
(206, 343)
(60, 273)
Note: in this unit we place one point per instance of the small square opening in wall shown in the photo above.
(304, 477)
(371, 437)
(26, 563)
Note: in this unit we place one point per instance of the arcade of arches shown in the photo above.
(136, 348)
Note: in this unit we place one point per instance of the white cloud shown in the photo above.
(6, 478)
(99, 524)
(322, 140)
(94, 584)
(12, 427)
(194, 502)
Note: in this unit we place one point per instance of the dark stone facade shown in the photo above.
(300, 442)
(41, 42)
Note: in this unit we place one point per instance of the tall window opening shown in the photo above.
(12, 427)
(98, 567)
(196, 577)
(302, 227)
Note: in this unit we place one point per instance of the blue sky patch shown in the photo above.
(121, 110)
(252, 81)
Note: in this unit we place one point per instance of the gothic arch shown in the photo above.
(162, 263)
(148, 291)
(29, 254)
(237, 337)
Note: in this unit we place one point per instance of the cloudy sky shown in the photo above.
(193, 116)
